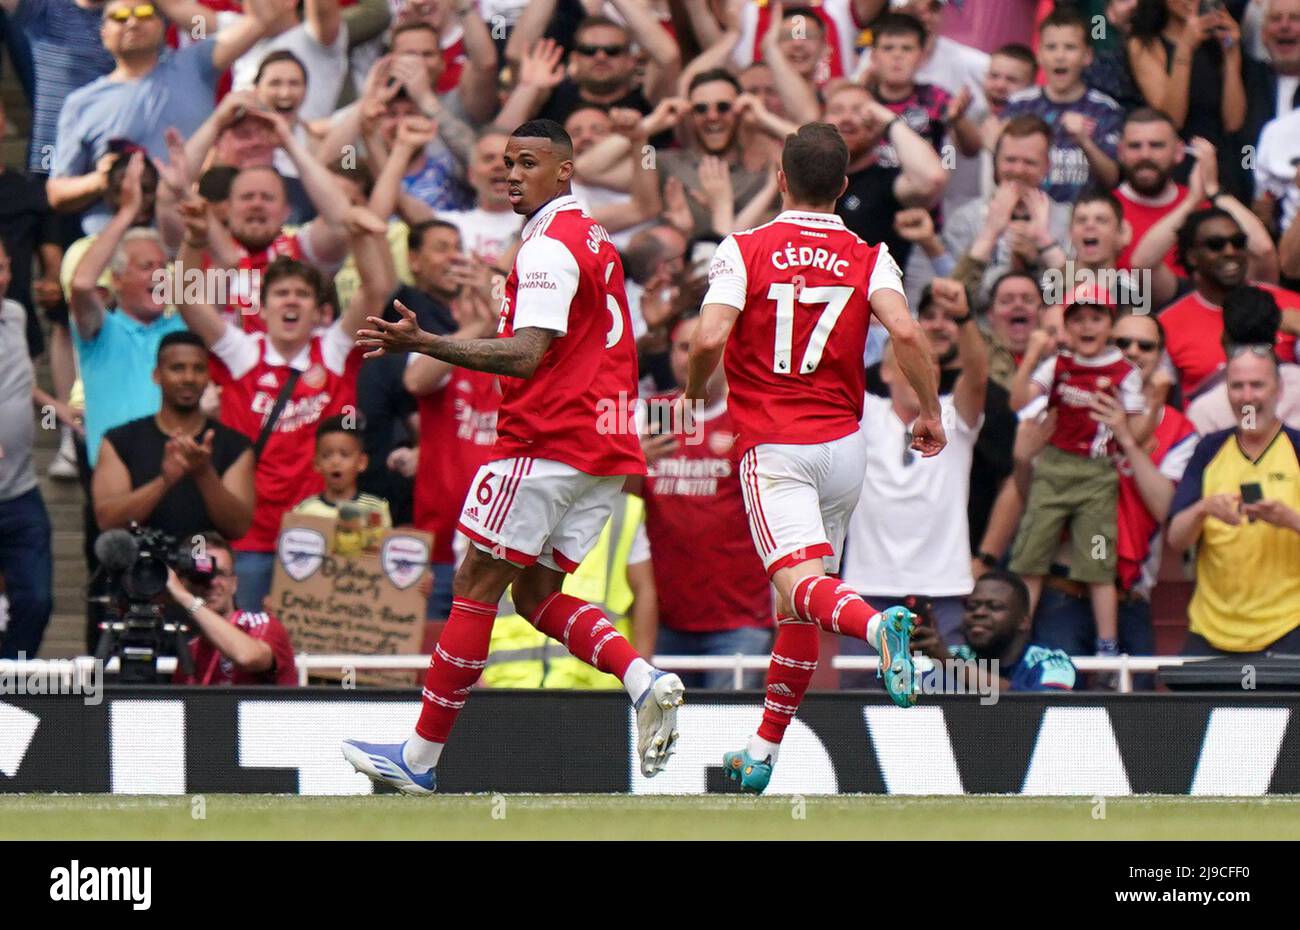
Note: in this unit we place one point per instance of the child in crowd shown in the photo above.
(1075, 480)
(340, 459)
(1085, 123)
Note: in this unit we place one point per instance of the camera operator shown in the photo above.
(231, 647)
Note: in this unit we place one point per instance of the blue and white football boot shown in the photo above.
(382, 763)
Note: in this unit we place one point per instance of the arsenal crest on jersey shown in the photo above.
(403, 559)
(300, 551)
(721, 441)
(314, 377)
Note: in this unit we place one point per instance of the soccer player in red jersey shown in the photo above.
(567, 360)
(791, 301)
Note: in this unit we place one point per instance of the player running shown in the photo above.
(566, 352)
(791, 301)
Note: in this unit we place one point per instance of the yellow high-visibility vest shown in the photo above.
(521, 656)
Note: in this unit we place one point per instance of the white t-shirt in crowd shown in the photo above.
(591, 197)
(909, 533)
(484, 233)
(326, 65)
(1275, 165)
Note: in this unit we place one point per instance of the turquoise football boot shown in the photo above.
(752, 774)
(894, 643)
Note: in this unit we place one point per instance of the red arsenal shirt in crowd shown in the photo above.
(693, 497)
(1071, 381)
(212, 668)
(458, 427)
(251, 373)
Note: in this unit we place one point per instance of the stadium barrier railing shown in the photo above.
(1123, 665)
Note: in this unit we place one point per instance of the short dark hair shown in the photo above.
(279, 55)
(1192, 226)
(348, 425)
(814, 161)
(1250, 316)
(212, 540)
(898, 24)
(591, 22)
(711, 75)
(1149, 115)
(1018, 52)
(181, 337)
(1020, 593)
(358, 172)
(148, 179)
(214, 184)
(1064, 16)
(544, 129)
(1024, 125)
(1095, 193)
(807, 12)
(412, 27)
(286, 267)
(415, 238)
(997, 285)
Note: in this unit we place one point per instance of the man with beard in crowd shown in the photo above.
(1149, 151)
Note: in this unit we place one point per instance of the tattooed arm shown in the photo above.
(515, 356)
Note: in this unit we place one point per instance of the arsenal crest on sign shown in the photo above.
(300, 551)
(403, 559)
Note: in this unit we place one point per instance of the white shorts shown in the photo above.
(530, 510)
(799, 499)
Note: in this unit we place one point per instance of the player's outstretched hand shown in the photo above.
(392, 338)
(928, 436)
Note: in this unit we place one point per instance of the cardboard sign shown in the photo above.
(365, 604)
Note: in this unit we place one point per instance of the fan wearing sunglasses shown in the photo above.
(150, 90)
(1215, 247)
(602, 64)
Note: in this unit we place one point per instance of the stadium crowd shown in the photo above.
(1094, 204)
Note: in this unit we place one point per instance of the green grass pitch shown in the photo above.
(597, 817)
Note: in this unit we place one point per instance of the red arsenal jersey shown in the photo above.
(1194, 336)
(458, 427)
(212, 668)
(579, 406)
(251, 374)
(1070, 381)
(693, 496)
(1174, 438)
(803, 285)
(1142, 213)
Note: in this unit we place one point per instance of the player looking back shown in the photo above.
(791, 301)
(565, 349)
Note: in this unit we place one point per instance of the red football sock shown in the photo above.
(794, 659)
(832, 605)
(586, 632)
(459, 657)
